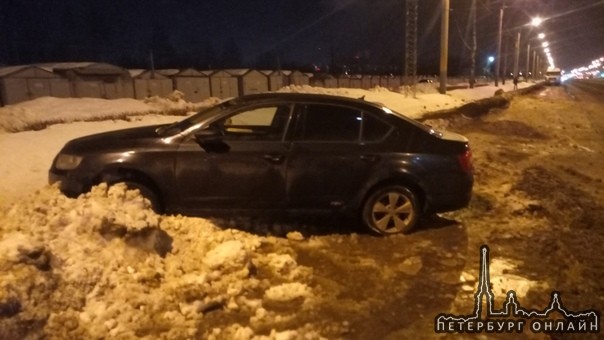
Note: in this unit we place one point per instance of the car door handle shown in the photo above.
(274, 158)
(370, 158)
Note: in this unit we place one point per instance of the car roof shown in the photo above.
(302, 97)
(269, 97)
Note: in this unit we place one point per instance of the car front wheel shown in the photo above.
(147, 193)
(391, 210)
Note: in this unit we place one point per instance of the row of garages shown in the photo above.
(101, 80)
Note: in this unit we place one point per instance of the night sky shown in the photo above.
(365, 35)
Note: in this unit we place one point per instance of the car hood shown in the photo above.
(126, 138)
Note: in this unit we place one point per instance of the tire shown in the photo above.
(147, 193)
(391, 210)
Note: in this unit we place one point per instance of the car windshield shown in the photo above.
(180, 126)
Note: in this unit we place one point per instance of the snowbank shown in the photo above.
(426, 99)
(401, 102)
(37, 114)
(104, 265)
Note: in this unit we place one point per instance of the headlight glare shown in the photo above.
(67, 162)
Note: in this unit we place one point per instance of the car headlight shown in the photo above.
(67, 162)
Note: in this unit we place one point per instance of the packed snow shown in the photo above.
(104, 265)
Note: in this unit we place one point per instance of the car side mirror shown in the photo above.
(208, 134)
(210, 139)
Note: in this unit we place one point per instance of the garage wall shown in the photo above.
(223, 85)
(29, 82)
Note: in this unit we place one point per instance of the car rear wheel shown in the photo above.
(391, 210)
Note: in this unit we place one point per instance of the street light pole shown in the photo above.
(535, 22)
(444, 46)
(516, 55)
(528, 60)
(534, 66)
(498, 60)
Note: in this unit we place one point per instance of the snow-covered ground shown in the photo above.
(104, 265)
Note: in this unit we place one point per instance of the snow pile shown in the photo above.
(104, 266)
(37, 114)
(176, 102)
(403, 101)
(503, 280)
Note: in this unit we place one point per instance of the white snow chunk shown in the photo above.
(288, 291)
(227, 253)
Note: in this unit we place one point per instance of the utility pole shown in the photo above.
(534, 67)
(474, 47)
(516, 55)
(528, 60)
(410, 77)
(505, 62)
(498, 60)
(444, 46)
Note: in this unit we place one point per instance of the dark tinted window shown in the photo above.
(373, 128)
(330, 123)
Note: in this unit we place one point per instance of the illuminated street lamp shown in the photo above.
(534, 23)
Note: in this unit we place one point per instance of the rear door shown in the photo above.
(244, 169)
(330, 159)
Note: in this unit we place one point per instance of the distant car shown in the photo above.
(425, 81)
(281, 152)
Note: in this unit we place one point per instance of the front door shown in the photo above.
(244, 169)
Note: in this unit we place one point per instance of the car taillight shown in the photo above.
(465, 161)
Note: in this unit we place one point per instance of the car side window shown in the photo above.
(329, 123)
(259, 123)
(374, 129)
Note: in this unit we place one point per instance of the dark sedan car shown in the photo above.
(281, 152)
